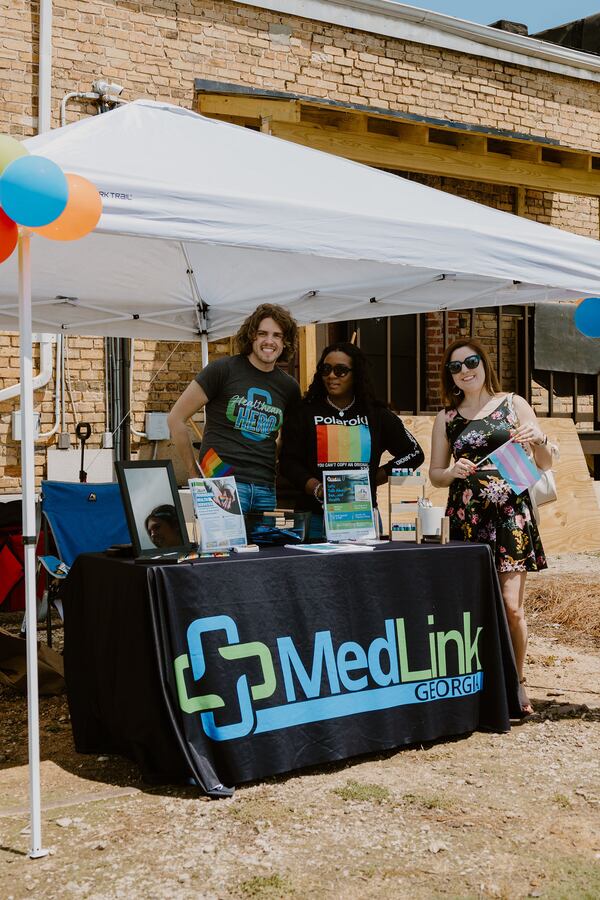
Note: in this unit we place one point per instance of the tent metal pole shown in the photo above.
(204, 348)
(201, 307)
(29, 541)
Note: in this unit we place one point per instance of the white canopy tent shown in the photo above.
(207, 211)
(203, 220)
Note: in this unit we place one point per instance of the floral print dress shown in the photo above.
(483, 508)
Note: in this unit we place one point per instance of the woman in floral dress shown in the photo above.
(477, 419)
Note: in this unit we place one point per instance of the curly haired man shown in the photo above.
(245, 398)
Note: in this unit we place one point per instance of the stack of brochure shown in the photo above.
(281, 518)
(331, 547)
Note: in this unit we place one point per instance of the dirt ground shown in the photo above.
(488, 815)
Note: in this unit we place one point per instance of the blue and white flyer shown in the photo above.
(218, 513)
(348, 507)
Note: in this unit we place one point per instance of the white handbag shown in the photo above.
(544, 490)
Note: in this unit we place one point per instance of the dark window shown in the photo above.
(390, 346)
(404, 363)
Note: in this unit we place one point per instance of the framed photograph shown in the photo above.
(153, 508)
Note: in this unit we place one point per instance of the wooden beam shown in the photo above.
(530, 152)
(388, 152)
(519, 201)
(307, 354)
(471, 143)
(413, 134)
(356, 123)
(251, 108)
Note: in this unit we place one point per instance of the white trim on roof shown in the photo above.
(422, 26)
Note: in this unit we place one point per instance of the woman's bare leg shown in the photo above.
(512, 585)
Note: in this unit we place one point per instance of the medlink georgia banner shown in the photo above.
(282, 661)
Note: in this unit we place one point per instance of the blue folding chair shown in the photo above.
(82, 518)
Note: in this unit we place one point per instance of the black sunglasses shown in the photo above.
(339, 370)
(471, 362)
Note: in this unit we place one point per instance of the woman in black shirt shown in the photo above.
(339, 424)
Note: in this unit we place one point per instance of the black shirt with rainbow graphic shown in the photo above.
(316, 437)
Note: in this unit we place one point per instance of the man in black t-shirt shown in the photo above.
(245, 397)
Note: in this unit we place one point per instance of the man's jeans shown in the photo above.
(256, 497)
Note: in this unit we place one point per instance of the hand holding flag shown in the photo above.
(517, 469)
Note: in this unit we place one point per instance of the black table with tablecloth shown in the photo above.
(231, 669)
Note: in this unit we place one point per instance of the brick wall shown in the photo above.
(157, 49)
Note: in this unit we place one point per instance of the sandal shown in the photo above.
(524, 702)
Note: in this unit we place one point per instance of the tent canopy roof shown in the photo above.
(201, 213)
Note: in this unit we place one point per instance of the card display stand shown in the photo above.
(403, 513)
(405, 524)
(442, 538)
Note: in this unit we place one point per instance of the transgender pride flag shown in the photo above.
(515, 466)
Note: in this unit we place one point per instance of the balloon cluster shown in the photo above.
(36, 193)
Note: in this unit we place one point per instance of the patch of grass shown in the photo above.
(562, 800)
(571, 601)
(257, 812)
(571, 877)
(243, 813)
(427, 801)
(363, 793)
(266, 886)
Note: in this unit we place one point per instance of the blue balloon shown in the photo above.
(587, 317)
(33, 191)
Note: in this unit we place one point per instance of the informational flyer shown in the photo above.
(348, 507)
(218, 513)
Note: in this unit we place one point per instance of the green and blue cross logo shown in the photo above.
(206, 703)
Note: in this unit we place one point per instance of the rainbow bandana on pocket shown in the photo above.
(213, 466)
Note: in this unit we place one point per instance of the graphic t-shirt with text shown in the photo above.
(243, 416)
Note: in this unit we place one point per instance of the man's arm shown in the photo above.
(191, 401)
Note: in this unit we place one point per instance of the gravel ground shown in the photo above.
(513, 815)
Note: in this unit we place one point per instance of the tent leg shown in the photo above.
(204, 349)
(29, 542)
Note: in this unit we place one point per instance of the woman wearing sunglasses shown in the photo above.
(477, 419)
(339, 424)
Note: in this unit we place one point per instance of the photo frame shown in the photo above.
(153, 508)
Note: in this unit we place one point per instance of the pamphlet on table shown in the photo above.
(347, 506)
(218, 513)
(330, 547)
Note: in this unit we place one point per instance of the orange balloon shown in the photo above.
(80, 215)
(9, 235)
